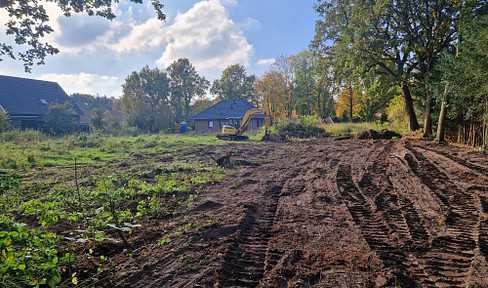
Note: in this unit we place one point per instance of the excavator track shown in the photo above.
(232, 137)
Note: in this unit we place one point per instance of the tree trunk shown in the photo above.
(290, 105)
(318, 106)
(350, 103)
(428, 110)
(308, 101)
(442, 118)
(413, 124)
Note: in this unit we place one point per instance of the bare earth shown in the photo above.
(325, 213)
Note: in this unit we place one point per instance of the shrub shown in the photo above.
(4, 124)
(305, 127)
(60, 119)
(397, 115)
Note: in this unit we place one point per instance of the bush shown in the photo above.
(4, 125)
(397, 115)
(60, 119)
(305, 127)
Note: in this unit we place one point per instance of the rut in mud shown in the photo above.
(325, 213)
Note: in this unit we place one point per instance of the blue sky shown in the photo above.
(97, 55)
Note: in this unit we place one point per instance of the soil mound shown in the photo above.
(373, 134)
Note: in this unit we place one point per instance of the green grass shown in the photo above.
(338, 129)
(29, 149)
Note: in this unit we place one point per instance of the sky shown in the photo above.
(96, 55)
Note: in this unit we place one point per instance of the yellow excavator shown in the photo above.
(232, 133)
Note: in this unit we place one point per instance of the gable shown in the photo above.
(22, 96)
(225, 109)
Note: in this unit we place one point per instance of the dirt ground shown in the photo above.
(325, 213)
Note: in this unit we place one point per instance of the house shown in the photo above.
(27, 100)
(226, 112)
(113, 115)
(85, 119)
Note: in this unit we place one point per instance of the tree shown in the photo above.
(96, 118)
(377, 92)
(283, 67)
(324, 86)
(92, 102)
(460, 82)
(395, 38)
(234, 84)
(199, 105)
(303, 65)
(145, 99)
(29, 23)
(347, 106)
(272, 91)
(60, 119)
(185, 85)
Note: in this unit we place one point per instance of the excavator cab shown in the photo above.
(229, 130)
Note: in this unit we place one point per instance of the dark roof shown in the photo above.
(22, 96)
(227, 109)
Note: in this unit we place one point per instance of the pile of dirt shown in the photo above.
(374, 135)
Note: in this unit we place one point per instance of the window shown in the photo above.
(221, 124)
(43, 101)
(210, 124)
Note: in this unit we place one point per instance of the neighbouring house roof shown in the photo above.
(85, 119)
(114, 114)
(29, 97)
(227, 109)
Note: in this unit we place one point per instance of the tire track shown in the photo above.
(449, 258)
(247, 257)
(399, 212)
(372, 225)
(483, 236)
(460, 161)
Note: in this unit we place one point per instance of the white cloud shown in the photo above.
(266, 61)
(207, 37)
(85, 83)
(250, 23)
(229, 2)
(146, 36)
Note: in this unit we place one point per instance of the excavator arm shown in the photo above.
(230, 133)
(247, 118)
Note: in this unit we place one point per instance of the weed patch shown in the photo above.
(70, 199)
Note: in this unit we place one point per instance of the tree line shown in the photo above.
(159, 99)
(430, 55)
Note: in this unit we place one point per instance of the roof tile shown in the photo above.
(22, 96)
(226, 109)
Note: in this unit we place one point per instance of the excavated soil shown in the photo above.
(325, 213)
